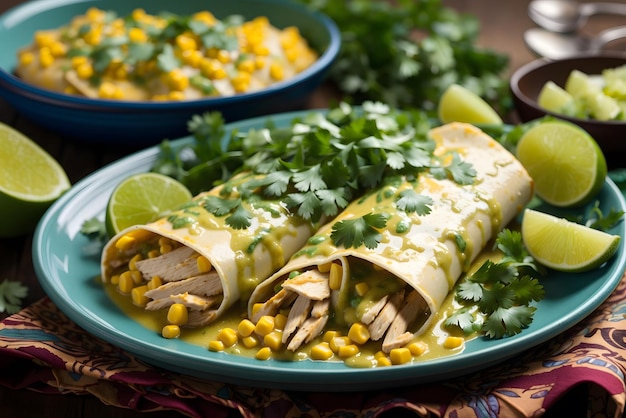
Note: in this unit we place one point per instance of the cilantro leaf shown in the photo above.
(359, 231)
(412, 202)
(508, 321)
(240, 218)
(11, 294)
(465, 320)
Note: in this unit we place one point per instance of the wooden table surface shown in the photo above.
(502, 25)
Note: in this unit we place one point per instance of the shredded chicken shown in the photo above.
(311, 284)
(175, 265)
(396, 335)
(386, 316)
(206, 285)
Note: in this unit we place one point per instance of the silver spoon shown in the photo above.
(566, 16)
(553, 45)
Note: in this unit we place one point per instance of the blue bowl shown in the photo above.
(144, 123)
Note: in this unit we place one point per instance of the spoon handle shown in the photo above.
(609, 35)
(605, 8)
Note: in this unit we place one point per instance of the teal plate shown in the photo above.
(67, 274)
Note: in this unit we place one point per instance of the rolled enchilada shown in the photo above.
(395, 285)
(194, 257)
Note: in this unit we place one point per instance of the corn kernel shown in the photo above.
(125, 242)
(359, 333)
(276, 71)
(133, 260)
(250, 341)
(379, 354)
(136, 275)
(338, 342)
(110, 91)
(177, 314)
(383, 361)
(164, 241)
(137, 35)
(330, 335)
(228, 336)
(186, 42)
(154, 282)
(126, 282)
(138, 14)
(263, 353)
(321, 351)
(292, 54)
(177, 80)
(84, 70)
(206, 17)
(261, 50)
(273, 340)
(256, 308)
(279, 321)
(417, 348)
(348, 351)
(115, 279)
(324, 267)
(176, 96)
(246, 66)
(93, 37)
(26, 58)
(216, 345)
(245, 328)
(192, 58)
(204, 265)
(43, 38)
(45, 57)
(265, 325)
(335, 276)
(94, 14)
(153, 253)
(165, 248)
(400, 355)
(138, 295)
(170, 331)
(259, 63)
(57, 49)
(361, 288)
(223, 56)
(453, 342)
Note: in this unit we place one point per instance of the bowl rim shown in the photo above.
(531, 66)
(15, 85)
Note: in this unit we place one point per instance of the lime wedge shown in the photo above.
(143, 198)
(565, 162)
(459, 104)
(564, 245)
(30, 181)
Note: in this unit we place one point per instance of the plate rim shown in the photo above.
(273, 374)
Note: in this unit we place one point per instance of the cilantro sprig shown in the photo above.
(497, 299)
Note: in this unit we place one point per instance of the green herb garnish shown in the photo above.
(502, 292)
(11, 294)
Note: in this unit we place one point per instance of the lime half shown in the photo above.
(565, 162)
(564, 245)
(30, 180)
(459, 104)
(143, 198)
